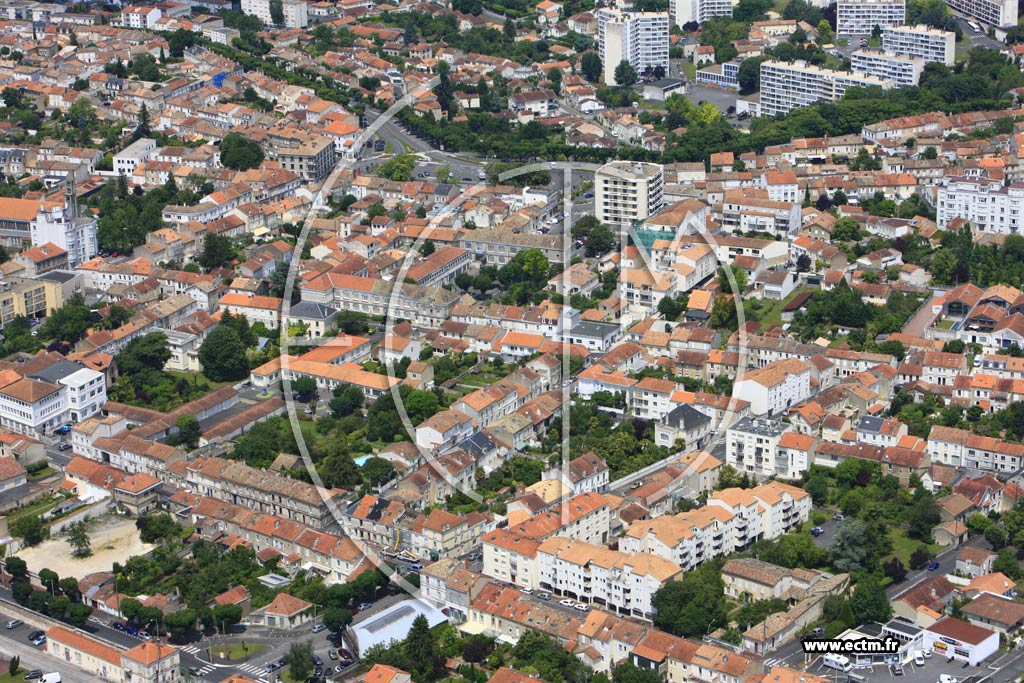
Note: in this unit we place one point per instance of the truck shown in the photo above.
(840, 662)
(50, 678)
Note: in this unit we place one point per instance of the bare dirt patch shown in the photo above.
(114, 539)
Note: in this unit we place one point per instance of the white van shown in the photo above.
(840, 662)
(14, 623)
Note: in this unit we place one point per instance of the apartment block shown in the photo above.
(626, 192)
(860, 17)
(988, 205)
(640, 38)
(751, 444)
(993, 12)
(776, 387)
(295, 13)
(903, 71)
(685, 12)
(924, 42)
(313, 160)
(961, 448)
(619, 581)
(786, 86)
(750, 210)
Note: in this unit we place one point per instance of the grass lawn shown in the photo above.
(236, 651)
(904, 546)
(944, 325)
(199, 378)
(45, 472)
(34, 509)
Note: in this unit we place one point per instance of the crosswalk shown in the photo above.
(251, 668)
(191, 649)
(203, 670)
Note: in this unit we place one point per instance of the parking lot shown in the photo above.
(930, 672)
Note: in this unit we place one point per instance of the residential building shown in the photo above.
(626, 192)
(860, 17)
(640, 38)
(902, 70)
(788, 85)
(987, 204)
(751, 444)
(313, 160)
(138, 152)
(697, 11)
(619, 581)
(992, 12)
(294, 12)
(924, 42)
(776, 387)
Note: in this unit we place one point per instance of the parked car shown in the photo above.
(40, 641)
(897, 670)
(918, 658)
(363, 606)
(64, 447)
(946, 678)
(582, 607)
(839, 516)
(33, 675)
(63, 429)
(817, 531)
(318, 628)
(933, 566)
(332, 655)
(316, 660)
(35, 634)
(543, 596)
(566, 603)
(343, 664)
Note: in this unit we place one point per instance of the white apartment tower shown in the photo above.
(295, 12)
(860, 17)
(683, 12)
(640, 38)
(900, 69)
(788, 85)
(988, 205)
(626, 192)
(923, 42)
(993, 12)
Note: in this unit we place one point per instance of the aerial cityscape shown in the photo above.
(512, 341)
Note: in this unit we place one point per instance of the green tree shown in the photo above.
(50, 579)
(223, 355)
(707, 113)
(305, 388)
(218, 252)
(226, 616)
(78, 538)
(555, 78)
(14, 665)
(240, 153)
(869, 601)
(421, 649)
(30, 529)
(693, 605)
(189, 430)
(78, 614)
(336, 618)
(851, 548)
(1006, 562)
(346, 401)
(377, 471)
(181, 622)
(591, 67)
(277, 12)
(300, 660)
(625, 74)
(846, 229)
(629, 673)
(749, 76)
(16, 567)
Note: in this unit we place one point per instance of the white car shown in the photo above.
(918, 658)
(582, 607)
(570, 603)
(946, 678)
